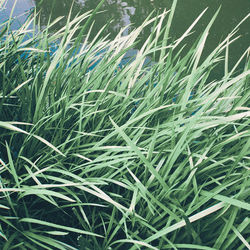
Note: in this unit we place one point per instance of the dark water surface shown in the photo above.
(124, 12)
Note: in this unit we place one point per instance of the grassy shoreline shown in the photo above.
(121, 157)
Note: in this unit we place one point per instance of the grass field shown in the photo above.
(121, 157)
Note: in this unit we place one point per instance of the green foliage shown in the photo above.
(121, 157)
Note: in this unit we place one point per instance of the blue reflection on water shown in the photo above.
(20, 12)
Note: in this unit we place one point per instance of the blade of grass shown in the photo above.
(49, 224)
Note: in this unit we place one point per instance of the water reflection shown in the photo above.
(115, 13)
(124, 12)
(20, 12)
(134, 12)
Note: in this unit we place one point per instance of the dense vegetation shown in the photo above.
(121, 156)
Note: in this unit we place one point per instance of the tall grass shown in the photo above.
(121, 156)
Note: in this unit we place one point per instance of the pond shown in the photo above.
(124, 12)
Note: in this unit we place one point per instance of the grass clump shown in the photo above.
(121, 156)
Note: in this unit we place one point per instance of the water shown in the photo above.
(124, 12)
(21, 11)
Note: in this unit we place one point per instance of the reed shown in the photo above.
(121, 155)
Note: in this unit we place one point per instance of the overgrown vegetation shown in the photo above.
(121, 156)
